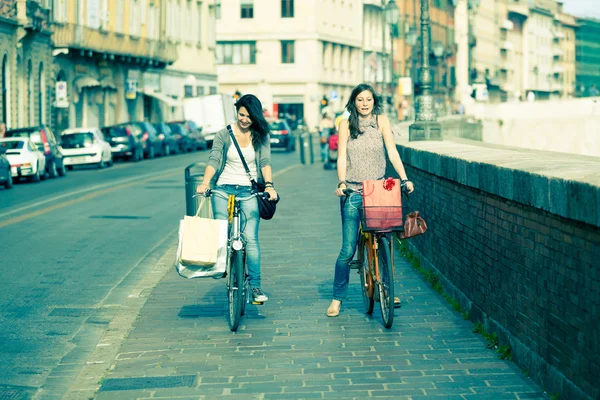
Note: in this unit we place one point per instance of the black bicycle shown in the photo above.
(238, 285)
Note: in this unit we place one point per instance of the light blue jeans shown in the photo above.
(249, 226)
(351, 210)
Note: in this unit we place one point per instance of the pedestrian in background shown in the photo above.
(2, 129)
(225, 172)
(325, 127)
(363, 141)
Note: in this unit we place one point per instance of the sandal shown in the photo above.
(334, 311)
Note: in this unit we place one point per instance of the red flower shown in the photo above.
(389, 184)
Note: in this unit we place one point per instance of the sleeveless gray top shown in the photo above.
(365, 156)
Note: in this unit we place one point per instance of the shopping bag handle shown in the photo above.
(200, 206)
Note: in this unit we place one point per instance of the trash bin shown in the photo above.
(306, 149)
(191, 183)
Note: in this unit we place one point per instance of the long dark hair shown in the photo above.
(260, 127)
(351, 107)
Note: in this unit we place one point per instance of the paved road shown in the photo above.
(171, 339)
(73, 249)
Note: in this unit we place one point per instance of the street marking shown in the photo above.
(90, 196)
(62, 196)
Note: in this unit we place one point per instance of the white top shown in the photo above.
(234, 172)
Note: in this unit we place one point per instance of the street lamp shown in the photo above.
(425, 126)
(392, 17)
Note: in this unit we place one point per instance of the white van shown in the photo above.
(212, 113)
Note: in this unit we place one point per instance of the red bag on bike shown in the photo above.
(382, 205)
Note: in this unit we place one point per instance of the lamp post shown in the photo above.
(392, 17)
(411, 40)
(425, 126)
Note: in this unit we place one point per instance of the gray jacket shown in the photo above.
(218, 155)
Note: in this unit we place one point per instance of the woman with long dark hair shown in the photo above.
(226, 172)
(364, 139)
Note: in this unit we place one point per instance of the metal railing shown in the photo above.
(8, 9)
(85, 38)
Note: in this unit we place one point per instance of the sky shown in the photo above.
(582, 8)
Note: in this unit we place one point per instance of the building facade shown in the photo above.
(191, 26)
(588, 57)
(26, 57)
(568, 28)
(291, 54)
(102, 49)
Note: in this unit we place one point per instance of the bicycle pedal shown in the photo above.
(355, 264)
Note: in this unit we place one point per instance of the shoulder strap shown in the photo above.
(237, 146)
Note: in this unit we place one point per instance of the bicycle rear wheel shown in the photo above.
(385, 286)
(366, 281)
(235, 293)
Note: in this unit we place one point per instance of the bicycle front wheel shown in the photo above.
(235, 293)
(366, 281)
(385, 286)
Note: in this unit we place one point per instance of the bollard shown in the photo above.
(191, 183)
(301, 146)
(311, 149)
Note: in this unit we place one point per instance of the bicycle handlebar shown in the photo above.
(225, 195)
(349, 191)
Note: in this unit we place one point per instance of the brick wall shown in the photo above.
(531, 275)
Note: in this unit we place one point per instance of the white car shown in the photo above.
(26, 160)
(85, 146)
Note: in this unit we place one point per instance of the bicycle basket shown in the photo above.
(382, 205)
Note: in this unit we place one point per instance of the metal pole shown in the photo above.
(425, 126)
(383, 58)
(391, 81)
(413, 71)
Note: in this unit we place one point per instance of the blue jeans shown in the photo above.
(249, 226)
(351, 210)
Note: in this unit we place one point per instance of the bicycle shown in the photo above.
(236, 272)
(375, 266)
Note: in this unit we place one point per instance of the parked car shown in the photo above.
(195, 133)
(46, 142)
(85, 146)
(281, 135)
(164, 134)
(151, 145)
(181, 134)
(124, 141)
(26, 160)
(5, 170)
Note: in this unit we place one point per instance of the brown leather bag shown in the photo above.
(413, 226)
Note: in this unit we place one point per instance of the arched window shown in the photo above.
(42, 95)
(30, 100)
(6, 112)
(20, 93)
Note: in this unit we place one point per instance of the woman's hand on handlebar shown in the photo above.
(202, 188)
(340, 190)
(272, 193)
(409, 187)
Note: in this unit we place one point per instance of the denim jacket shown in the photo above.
(218, 155)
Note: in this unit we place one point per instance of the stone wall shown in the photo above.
(515, 238)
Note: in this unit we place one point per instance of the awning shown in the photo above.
(85, 81)
(108, 83)
(171, 102)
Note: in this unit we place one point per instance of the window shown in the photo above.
(217, 9)
(247, 8)
(236, 53)
(189, 90)
(287, 51)
(287, 8)
(199, 90)
(213, 90)
(212, 25)
(199, 26)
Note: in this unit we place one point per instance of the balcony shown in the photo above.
(376, 3)
(506, 45)
(557, 69)
(30, 14)
(557, 52)
(81, 37)
(507, 25)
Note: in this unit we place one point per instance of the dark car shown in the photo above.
(281, 135)
(194, 132)
(46, 142)
(124, 142)
(182, 135)
(147, 136)
(164, 134)
(5, 172)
